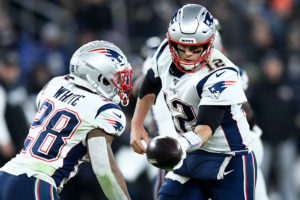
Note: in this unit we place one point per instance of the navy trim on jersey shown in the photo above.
(174, 71)
(71, 160)
(231, 131)
(107, 106)
(201, 83)
(161, 50)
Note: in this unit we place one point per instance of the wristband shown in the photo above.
(194, 140)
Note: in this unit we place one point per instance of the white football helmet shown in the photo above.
(191, 25)
(101, 67)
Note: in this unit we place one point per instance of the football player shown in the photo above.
(77, 119)
(164, 122)
(204, 93)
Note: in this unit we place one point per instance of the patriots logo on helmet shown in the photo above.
(219, 87)
(173, 18)
(209, 20)
(117, 125)
(110, 53)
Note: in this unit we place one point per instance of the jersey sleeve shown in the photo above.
(111, 119)
(222, 87)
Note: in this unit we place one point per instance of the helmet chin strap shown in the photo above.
(127, 102)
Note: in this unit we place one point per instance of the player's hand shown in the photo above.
(7, 150)
(137, 135)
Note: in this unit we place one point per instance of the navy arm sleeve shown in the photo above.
(150, 85)
(211, 116)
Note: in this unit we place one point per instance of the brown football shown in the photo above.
(164, 152)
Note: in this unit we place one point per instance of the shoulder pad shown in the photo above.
(222, 87)
(111, 119)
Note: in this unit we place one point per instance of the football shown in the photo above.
(164, 152)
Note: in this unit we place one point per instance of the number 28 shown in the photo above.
(58, 128)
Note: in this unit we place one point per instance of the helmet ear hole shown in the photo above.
(105, 82)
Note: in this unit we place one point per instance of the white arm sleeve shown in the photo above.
(4, 133)
(101, 167)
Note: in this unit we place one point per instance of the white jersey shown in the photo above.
(56, 143)
(218, 83)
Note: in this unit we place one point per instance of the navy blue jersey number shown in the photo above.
(187, 114)
(58, 127)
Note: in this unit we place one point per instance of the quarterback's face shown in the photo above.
(189, 53)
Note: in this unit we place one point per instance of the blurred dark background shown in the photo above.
(38, 38)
